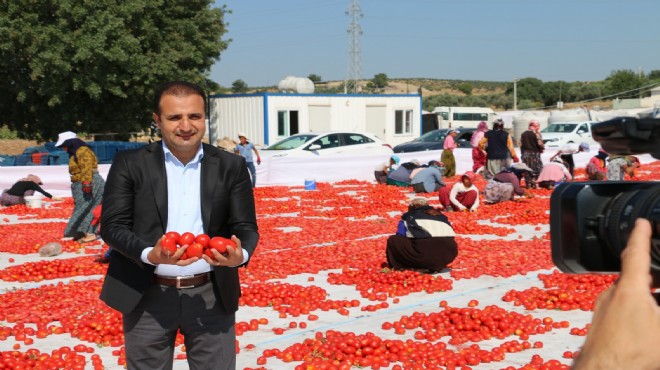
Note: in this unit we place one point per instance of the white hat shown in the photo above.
(242, 134)
(64, 136)
(521, 166)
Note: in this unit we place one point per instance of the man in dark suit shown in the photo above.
(179, 184)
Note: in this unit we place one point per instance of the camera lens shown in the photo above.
(624, 209)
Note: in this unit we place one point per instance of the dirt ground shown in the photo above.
(15, 146)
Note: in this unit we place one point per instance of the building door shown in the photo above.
(377, 121)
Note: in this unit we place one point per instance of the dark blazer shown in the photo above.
(135, 216)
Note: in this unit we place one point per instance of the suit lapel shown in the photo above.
(210, 163)
(155, 164)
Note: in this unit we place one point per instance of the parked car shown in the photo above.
(557, 134)
(434, 140)
(327, 144)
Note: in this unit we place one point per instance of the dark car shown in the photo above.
(434, 140)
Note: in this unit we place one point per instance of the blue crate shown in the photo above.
(24, 160)
(105, 150)
(7, 160)
(50, 146)
(35, 149)
(58, 157)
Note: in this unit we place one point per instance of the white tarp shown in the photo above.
(286, 171)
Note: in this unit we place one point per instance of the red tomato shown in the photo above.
(168, 245)
(203, 239)
(186, 238)
(174, 235)
(220, 244)
(195, 250)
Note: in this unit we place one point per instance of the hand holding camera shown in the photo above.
(625, 330)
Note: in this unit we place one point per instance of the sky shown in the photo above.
(488, 40)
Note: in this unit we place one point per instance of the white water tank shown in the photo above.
(521, 123)
(569, 115)
(298, 85)
(601, 116)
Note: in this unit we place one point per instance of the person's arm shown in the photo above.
(483, 142)
(452, 196)
(476, 201)
(257, 153)
(41, 190)
(625, 329)
(567, 174)
(438, 177)
(517, 189)
(512, 150)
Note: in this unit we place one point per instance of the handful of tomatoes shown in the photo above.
(197, 245)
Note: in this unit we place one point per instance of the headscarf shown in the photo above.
(470, 175)
(72, 146)
(34, 178)
(534, 125)
(479, 134)
(396, 159)
(483, 126)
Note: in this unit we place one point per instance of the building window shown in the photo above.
(287, 122)
(403, 121)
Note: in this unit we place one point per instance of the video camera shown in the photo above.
(590, 222)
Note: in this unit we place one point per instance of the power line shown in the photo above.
(650, 86)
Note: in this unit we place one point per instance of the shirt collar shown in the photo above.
(169, 156)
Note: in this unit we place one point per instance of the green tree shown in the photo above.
(314, 78)
(465, 88)
(239, 87)
(92, 66)
(380, 81)
(623, 83)
(579, 91)
(654, 75)
(527, 88)
(552, 92)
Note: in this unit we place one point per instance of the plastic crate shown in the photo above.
(50, 146)
(59, 157)
(24, 160)
(39, 158)
(105, 150)
(7, 160)
(35, 149)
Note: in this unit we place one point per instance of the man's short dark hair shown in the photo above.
(177, 88)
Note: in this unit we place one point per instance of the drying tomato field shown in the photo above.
(316, 294)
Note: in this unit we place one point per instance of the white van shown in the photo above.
(557, 134)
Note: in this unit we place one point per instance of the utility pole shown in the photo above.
(515, 93)
(354, 12)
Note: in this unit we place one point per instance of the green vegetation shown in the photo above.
(92, 65)
(7, 134)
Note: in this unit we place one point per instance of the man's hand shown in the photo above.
(233, 257)
(625, 330)
(258, 160)
(157, 256)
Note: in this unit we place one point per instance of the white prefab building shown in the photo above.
(268, 117)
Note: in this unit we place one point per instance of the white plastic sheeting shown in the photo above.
(286, 171)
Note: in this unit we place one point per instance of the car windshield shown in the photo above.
(560, 127)
(434, 136)
(291, 142)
